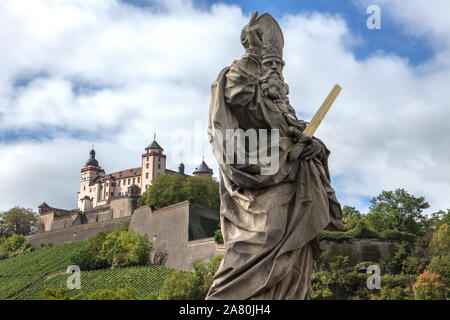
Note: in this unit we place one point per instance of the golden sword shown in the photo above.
(321, 113)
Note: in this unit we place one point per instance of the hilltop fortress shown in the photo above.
(108, 196)
(180, 233)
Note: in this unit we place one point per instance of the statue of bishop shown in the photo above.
(270, 222)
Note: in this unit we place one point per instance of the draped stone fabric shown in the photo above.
(270, 223)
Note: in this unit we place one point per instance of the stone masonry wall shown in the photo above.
(75, 233)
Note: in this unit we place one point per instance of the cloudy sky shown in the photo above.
(110, 73)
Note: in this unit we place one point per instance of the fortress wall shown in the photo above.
(170, 225)
(203, 249)
(121, 207)
(357, 244)
(75, 233)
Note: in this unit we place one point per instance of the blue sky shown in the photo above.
(389, 39)
(111, 73)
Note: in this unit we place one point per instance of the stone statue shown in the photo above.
(270, 223)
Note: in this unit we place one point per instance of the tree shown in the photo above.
(440, 249)
(397, 210)
(170, 188)
(17, 220)
(14, 245)
(203, 190)
(439, 218)
(350, 217)
(429, 287)
(440, 241)
(166, 189)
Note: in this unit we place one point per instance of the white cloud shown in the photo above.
(117, 73)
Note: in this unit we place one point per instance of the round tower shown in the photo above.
(203, 170)
(89, 173)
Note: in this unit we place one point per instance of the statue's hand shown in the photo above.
(251, 37)
(297, 135)
(302, 142)
(312, 150)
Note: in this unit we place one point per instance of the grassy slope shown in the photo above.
(145, 279)
(19, 272)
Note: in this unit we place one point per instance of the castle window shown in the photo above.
(146, 175)
(159, 166)
(129, 180)
(84, 188)
(146, 165)
(147, 159)
(112, 194)
(90, 189)
(139, 179)
(146, 186)
(134, 180)
(118, 183)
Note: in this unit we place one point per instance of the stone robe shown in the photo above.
(270, 223)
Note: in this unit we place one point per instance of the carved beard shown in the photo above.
(273, 86)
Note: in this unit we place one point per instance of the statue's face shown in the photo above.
(272, 64)
(272, 80)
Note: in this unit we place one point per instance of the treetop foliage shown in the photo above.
(17, 220)
(170, 188)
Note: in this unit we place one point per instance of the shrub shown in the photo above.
(395, 287)
(95, 243)
(83, 258)
(327, 261)
(336, 236)
(126, 293)
(218, 237)
(86, 259)
(396, 293)
(397, 235)
(320, 286)
(429, 287)
(190, 286)
(14, 245)
(178, 286)
(440, 241)
(339, 283)
(59, 294)
(126, 248)
(362, 231)
(441, 265)
(398, 253)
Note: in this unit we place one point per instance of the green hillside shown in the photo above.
(145, 279)
(19, 272)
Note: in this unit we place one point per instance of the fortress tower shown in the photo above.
(90, 172)
(99, 189)
(203, 170)
(107, 196)
(153, 163)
